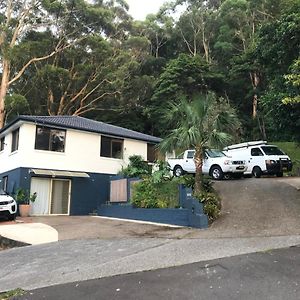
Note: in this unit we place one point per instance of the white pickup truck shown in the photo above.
(215, 163)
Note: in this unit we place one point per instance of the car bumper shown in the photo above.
(279, 166)
(6, 210)
(234, 169)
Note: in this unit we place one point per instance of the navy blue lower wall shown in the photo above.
(86, 193)
(172, 216)
(190, 214)
(16, 178)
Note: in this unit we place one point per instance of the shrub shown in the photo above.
(137, 167)
(211, 204)
(148, 194)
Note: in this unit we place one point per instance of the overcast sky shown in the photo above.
(138, 9)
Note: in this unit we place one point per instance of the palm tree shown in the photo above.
(204, 122)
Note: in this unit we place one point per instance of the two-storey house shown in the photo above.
(66, 160)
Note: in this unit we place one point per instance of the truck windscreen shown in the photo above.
(272, 150)
(214, 153)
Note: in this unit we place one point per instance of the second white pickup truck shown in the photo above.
(215, 163)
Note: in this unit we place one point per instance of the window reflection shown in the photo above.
(50, 139)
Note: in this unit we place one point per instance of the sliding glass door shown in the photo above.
(60, 197)
(53, 196)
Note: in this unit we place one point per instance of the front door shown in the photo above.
(53, 196)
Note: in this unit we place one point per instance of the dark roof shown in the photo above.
(80, 123)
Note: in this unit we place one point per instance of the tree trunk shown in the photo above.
(198, 165)
(3, 90)
(255, 82)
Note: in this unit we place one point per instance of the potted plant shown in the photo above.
(24, 199)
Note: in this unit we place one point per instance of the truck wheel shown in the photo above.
(216, 173)
(178, 171)
(279, 174)
(257, 172)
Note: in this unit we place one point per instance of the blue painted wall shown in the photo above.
(190, 214)
(86, 193)
(165, 215)
(16, 178)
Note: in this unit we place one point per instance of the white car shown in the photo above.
(215, 163)
(8, 206)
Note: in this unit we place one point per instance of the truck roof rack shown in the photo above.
(245, 145)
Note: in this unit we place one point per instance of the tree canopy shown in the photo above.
(91, 58)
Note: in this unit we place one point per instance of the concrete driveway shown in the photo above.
(251, 207)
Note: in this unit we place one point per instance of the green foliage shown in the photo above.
(188, 180)
(293, 80)
(211, 204)
(161, 173)
(206, 121)
(15, 105)
(23, 196)
(147, 194)
(14, 293)
(112, 68)
(137, 167)
(293, 151)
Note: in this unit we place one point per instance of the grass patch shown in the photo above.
(293, 151)
(14, 293)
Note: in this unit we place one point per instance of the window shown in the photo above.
(4, 183)
(190, 154)
(50, 139)
(256, 152)
(151, 152)
(272, 150)
(15, 140)
(2, 143)
(111, 147)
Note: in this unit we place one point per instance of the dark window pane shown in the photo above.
(111, 147)
(15, 140)
(256, 152)
(50, 139)
(42, 138)
(57, 140)
(116, 149)
(2, 143)
(190, 154)
(151, 153)
(4, 183)
(105, 147)
(271, 150)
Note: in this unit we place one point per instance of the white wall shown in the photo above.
(82, 153)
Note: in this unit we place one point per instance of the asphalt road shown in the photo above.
(268, 275)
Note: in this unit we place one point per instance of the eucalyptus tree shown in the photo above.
(205, 122)
(67, 22)
(17, 18)
(196, 26)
